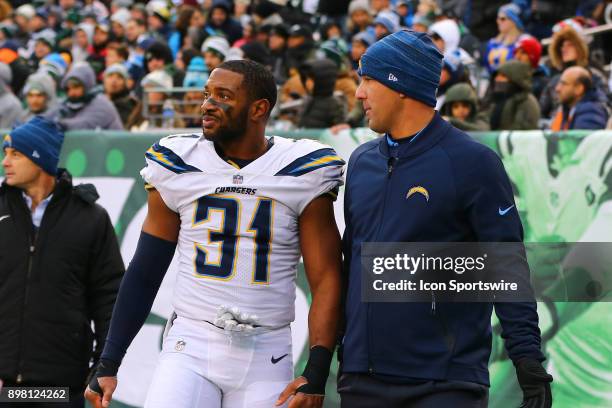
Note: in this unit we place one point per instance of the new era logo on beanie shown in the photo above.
(40, 140)
(407, 62)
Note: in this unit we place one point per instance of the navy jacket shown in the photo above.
(590, 112)
(468, 189)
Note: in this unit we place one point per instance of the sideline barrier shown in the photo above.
(563, 190)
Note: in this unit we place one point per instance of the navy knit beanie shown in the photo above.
(407, 62)
(40, 140)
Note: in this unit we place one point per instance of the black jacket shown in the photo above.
(54, 283)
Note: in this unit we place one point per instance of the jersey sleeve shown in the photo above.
(317, 172)
(163, 168)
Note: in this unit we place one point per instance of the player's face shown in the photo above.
(225, 108)
(378, 104)
(19, 170)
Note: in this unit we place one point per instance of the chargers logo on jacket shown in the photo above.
(418, 190)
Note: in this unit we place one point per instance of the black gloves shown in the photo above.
(316, 371)
(535, 383)
(105, 368)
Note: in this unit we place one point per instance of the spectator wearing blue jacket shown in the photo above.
(414, 353)
(582, 104)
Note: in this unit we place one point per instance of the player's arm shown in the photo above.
(136, 294)
(320, 245)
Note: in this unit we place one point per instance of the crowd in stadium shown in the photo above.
(142, 65)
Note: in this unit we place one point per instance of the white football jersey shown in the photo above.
(238, 242)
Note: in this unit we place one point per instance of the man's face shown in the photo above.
(225, 108)
(118, 29)
(379, 103)
(212, 60)
(41, 49)
(100, 36)
(567, 88)
(156, 101)
(357, 50)
(112, 57)
(276, 42)
(295, 41)
(360, 18)
(37, 101)
(155, 63)
(37, 23)
(218, 16)
(155, 23)
(74, 90)
(460, 110)
(133, 30)
(114, 84)
(19, 170)
(81, 39)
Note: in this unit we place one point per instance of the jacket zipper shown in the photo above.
(31, 251)
(390, 165)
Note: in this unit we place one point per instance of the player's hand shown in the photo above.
(300, 399)
(107, 387)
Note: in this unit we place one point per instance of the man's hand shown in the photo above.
(535, 383)
(102, 398)
(300, 399)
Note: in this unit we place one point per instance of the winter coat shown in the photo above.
(520, 110)
(463, 92)
(589, 113)
(322, 109)
(54, 282)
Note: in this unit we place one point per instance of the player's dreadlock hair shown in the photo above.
(257, 79)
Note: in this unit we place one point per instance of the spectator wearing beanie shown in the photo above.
(568, 48)
(40, 96)
(277, 44)
(529, 50)
(359, 17)
(385, 23)
(11, 110)
(446, 35)
(119, 23)
(514, 106)
(158, 21)
(220, 21)
(359, 44)
(461, 109)
(196, 77)
(84, 107)
(58, 236)
(117, 89)
(215, 50)
(500, 48)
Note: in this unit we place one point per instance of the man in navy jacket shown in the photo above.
(425, 354)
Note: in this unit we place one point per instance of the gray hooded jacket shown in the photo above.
(10, 107)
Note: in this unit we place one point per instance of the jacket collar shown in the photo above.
(425, 140)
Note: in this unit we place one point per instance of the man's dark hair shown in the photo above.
(584, 79)
(256, 78)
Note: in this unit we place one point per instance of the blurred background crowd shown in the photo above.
(123, 64)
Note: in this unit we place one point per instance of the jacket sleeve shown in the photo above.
(590, 116)
(527, 115)
(486, 192)
(106, 269)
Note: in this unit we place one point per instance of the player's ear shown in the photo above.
(260, 109)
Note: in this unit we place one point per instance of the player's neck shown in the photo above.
(245, 148)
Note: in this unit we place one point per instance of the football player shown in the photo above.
(239, 208)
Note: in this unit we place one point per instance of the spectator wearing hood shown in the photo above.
(529, 51)
(446, 35)
(40, 96)
(215, 51)
(11, 110)
(514, 106)
(321, 109)
(220, 21)
(582, 105)
(568, 48)
(85, 107)
(83, 42)
(385, 23)
(117, 89)
(43, 46)
(119, 22)
(500, 48)
(461, 109)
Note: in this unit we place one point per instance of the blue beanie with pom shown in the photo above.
(407, 62)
